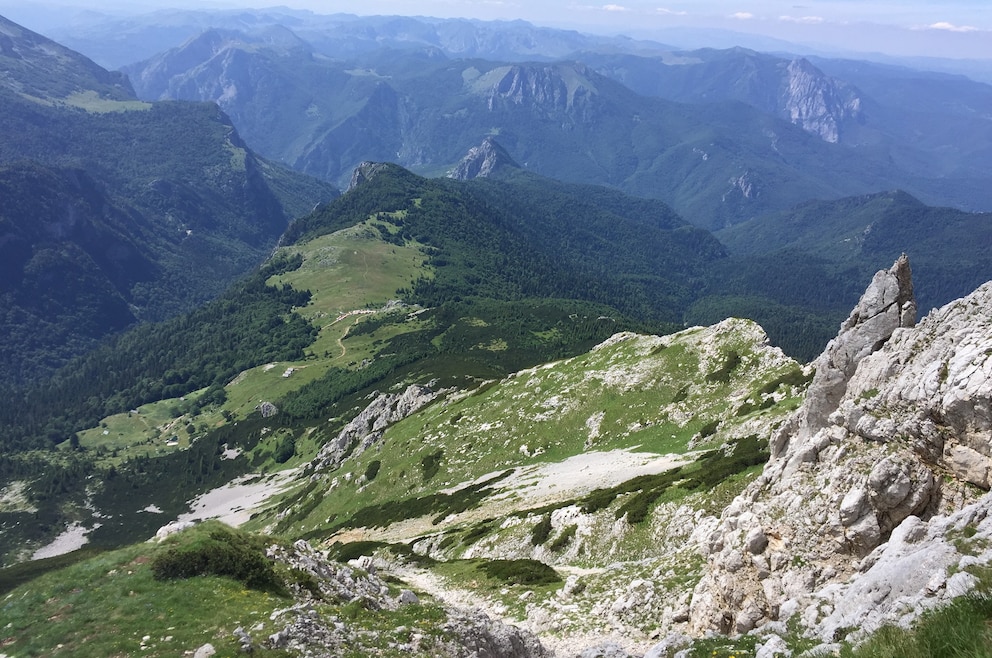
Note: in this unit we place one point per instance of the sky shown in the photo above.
(947, 28)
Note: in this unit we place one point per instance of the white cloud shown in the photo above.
(742, 15)
(806, 20)
(670, 12)
(950, 27)
(614, 8)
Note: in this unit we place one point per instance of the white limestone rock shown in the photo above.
(852, 488)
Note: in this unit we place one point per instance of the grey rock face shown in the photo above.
(605, 650)
(855, 504)
(479, 636)
(367, 428)
(549, 90)
(205, 651)
(408, 598)
(483, 161)
(886, 305)
(815, 102)
(365, 172)
(267, 409)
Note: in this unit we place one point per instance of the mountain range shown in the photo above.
(721, 136)
(486, 375)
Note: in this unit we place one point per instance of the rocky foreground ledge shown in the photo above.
(873, 507)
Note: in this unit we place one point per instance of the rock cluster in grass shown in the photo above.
(308, 633)
(865, 513)
(367, 428)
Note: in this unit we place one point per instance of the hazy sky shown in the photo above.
(951, 28)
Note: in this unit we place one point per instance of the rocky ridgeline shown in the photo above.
(870, 509)
(550, 89)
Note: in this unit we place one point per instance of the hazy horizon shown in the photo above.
(960, 29)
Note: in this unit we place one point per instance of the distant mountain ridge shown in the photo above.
(708, 132)
(116, 42)
(38, 67)
(792, 89)
(715, 164)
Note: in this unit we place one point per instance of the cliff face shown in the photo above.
(853, 521)
(815, 102)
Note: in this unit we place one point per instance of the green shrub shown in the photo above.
(305, 580)
(599, 499)
(562, 540)
(793, 377)
(722, 374)
(541, 531)
(709, 429)
(219, 552)
(520, 572)
(478, 532)
(372, 470)
(431, 464)
(285, 450)
(353, 550)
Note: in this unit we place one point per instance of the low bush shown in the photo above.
(219, 552)
(520, 572)
(562, 540)
(431, 464)
(541, 531)
(372, 470)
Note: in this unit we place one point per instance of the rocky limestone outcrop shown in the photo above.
(304, 631)
(365, 172)
(886, 305)
(483, 161)
(366, 429)
(854, 514)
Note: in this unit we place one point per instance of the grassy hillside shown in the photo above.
(553, 484)
(140, 599)
(186, 381)
(660, 395)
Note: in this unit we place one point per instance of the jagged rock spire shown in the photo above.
(889, 453)
(886, 305)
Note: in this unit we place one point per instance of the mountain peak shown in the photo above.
(365, 172)
(815, 102)
(483, 161)
(886, 305)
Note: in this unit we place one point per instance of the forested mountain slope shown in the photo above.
(949, 248)
(117, 211)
